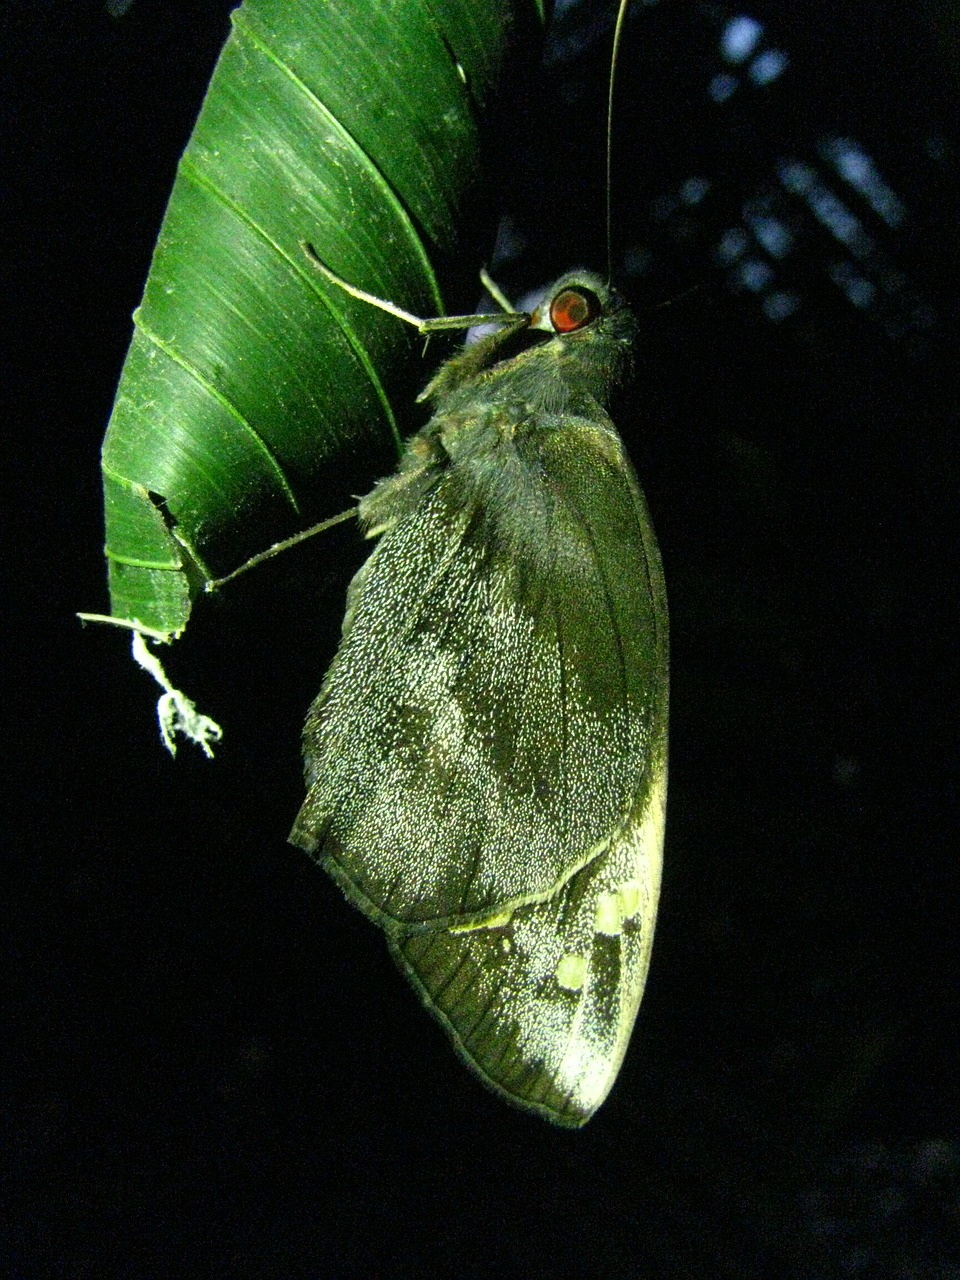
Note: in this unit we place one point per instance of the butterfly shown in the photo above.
(486, 761)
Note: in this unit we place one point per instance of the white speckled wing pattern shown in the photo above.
(486, 759)
(541, 1002)
(490, 715)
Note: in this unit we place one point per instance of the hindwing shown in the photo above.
(541, 1001)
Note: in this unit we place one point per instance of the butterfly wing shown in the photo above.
(487, 757)
(489, 718)
(541, 999)
(541, 1002)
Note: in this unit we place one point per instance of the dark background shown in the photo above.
(216, 1070)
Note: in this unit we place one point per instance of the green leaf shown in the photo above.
(354, 126)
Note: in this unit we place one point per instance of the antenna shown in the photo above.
(614, 55)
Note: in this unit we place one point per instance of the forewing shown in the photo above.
(489, 720)
(541, 1003)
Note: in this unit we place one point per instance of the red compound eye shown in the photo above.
(571, 309)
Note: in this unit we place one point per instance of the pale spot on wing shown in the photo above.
(614, 909)
(571, 971)
(631, 896)
(607, 918)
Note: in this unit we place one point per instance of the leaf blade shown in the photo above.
(247, 378)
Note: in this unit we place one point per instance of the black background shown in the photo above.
(216, 1070)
